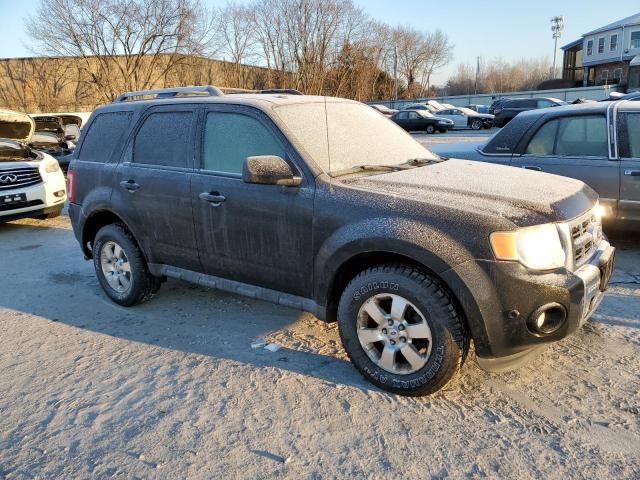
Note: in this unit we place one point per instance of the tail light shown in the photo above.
(71, 186)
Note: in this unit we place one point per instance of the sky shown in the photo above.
(509, 29)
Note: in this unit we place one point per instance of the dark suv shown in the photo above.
(505, 111)
(323, 205)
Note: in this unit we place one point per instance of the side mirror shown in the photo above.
(269, 170)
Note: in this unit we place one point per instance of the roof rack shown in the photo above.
(206, 91)
(285, 91)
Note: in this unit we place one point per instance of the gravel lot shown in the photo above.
(173, 388)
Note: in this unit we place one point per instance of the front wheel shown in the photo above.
(121, 268)
(402, 330)
(476, 124)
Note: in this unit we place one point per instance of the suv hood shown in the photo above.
(16, 126)
(522, 196)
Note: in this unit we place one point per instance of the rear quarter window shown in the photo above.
(105, 136)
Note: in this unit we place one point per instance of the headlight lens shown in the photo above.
(537, 248)
(52, 166)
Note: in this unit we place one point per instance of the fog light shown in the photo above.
(59, 193)
(547, 319)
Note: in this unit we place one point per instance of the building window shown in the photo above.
(613, 44)
(617, 75)
(635, 40)
(604, 77)
(601, 45)
(589, 48)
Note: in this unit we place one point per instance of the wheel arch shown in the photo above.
(95, 222)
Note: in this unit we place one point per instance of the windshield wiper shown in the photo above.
(371, 167)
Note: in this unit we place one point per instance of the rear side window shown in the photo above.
(230, 138)
(164, 139)
(631, 125)
(583, 136)
(104, 136)
(545, 103)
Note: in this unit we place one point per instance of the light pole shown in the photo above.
(557, 26)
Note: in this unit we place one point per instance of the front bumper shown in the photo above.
(41, 198)
(501, 297)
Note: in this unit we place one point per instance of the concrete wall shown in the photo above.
(567, 94)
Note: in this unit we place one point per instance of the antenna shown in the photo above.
(326, 124)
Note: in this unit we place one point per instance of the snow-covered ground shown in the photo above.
(173, 389)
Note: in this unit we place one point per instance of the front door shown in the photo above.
(256, 234)
(153, 186)
(575, 147)
(629, 135)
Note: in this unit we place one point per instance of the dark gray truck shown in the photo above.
(323, 205)
(598, 143)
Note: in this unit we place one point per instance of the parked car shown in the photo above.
(422, 121)
(465, 118)
(351, 220)
(478, 108)
(386, 111)
(496, 104)
(506, 111)
(598, 143)
(56, 135)
(31, 183)
(422, 107)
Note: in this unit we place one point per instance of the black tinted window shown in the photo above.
(163, 139)
(230, 138)
(104, 136)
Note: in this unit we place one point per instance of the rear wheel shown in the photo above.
(476, 124)
(121, 268)
(401, 329)
(430, 129)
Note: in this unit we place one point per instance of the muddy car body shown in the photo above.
(350, 219)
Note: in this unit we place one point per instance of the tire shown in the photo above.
(430, 129)
(132, 283)
(428, 303)
(476, 124)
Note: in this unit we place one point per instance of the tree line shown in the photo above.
(327, 47)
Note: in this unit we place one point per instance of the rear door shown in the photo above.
(402, 119)
(629, 149)
(576, 147)
(153, 186)
(255, 234)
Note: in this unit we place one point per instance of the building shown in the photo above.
(606, 56)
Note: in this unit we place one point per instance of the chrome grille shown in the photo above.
(19, 177)
(586, 233)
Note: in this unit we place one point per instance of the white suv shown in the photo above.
(31, 182)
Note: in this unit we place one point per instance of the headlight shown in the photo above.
(537, 248)
(52, 166)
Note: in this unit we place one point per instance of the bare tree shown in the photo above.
(121, 44)
(235, 39)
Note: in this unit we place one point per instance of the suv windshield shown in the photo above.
(357, 135)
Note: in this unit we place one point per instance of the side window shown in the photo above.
(584, 136)
(632, 132)
(545, 103)
(230, 138)
(164, 139)
(543, 141)
(413, 116)
(402, 115)
(104, 136)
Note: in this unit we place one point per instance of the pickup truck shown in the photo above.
(598, 143)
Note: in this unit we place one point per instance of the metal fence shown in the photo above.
(567, 94)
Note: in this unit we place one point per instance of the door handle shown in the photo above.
(632, 173)
(214, 198)
(130, 185)
(533, 167)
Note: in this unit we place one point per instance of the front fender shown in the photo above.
(421, 243)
